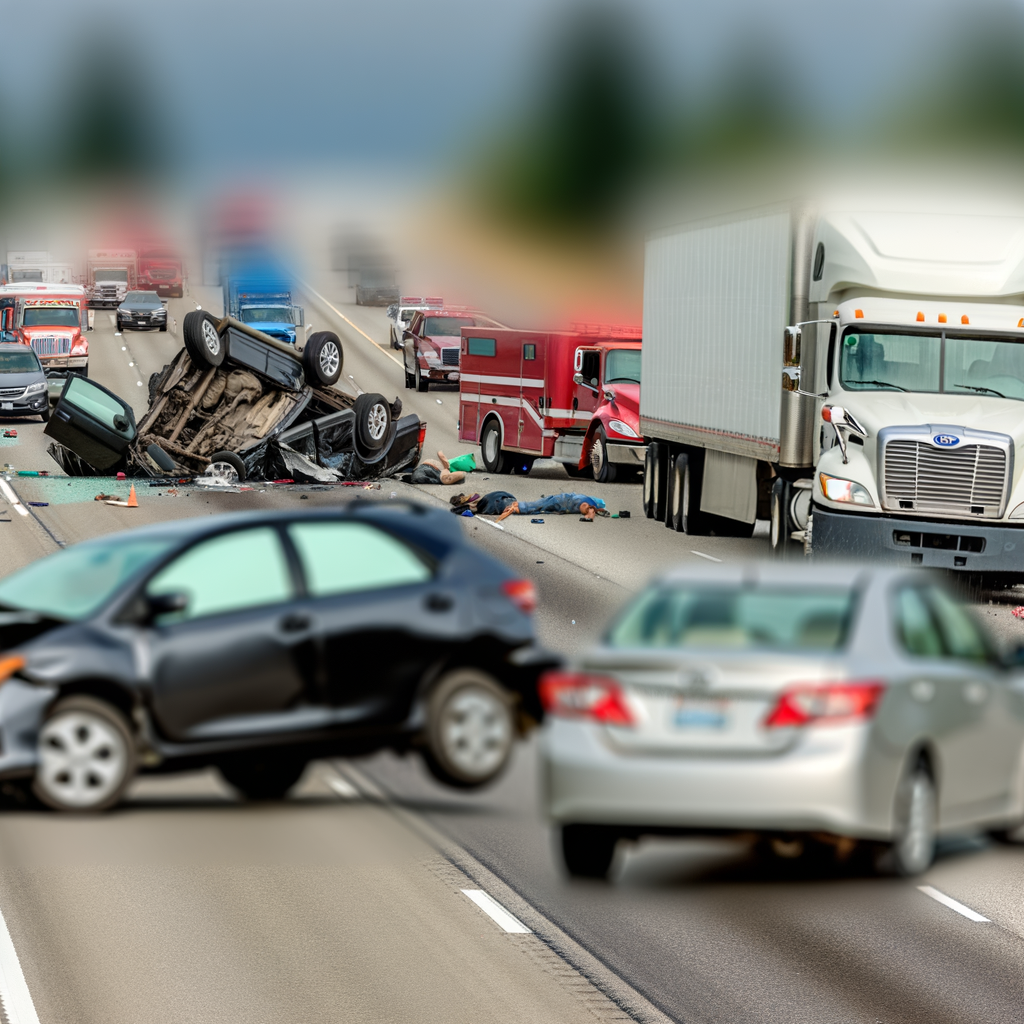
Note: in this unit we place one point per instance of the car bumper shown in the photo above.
(30, 406)
(967, 547)
(818, 785)
(442, 374)
(22, 707)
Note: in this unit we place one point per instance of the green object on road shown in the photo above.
(463, 463)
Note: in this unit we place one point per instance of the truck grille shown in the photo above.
(965, 481)
(51, 346)
(450, 356)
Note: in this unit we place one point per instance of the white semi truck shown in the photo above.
(852, 372)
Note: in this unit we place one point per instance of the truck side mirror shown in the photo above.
(791, 346)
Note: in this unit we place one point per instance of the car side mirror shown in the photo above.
(165, 604)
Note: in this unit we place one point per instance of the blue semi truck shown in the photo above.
(264, 300)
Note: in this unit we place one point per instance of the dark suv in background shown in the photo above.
(142, 311)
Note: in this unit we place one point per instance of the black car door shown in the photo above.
(240, 654)
(92, 422)
(383, 616)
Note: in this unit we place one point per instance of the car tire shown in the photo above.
(410, 381)
(913, 849)
(205, 347)
(604, 471)
(494, 459)
(264, 776)
(87, 756)
(588, 850)
(229, 459)
(373, 421)
(323, 358)
(421, 384)
(45, 414)
(163, 328)
(471, 729)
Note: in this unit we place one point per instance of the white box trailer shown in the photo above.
(27, 265)
(854, 372)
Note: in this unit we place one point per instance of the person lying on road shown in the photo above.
(555, 504)
(440, 472)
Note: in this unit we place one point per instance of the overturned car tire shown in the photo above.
(228, 459)
(322, 358)
(373, 422)
(205, 346)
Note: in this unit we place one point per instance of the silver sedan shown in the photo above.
(812, 706)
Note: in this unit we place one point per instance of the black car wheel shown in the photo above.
(205, 347)
(163, 328)
(588, 850)
(322, 358)
(470, 729)
(120, 326)
(86, 756)
(263, 776)
(421, 384)
(373, 421)
(495, 460)
(228, 466)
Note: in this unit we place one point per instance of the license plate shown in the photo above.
(6, 405)
(698, 714)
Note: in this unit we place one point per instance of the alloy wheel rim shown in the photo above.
(329, 358)
(476, 731)
(597, 456)
(82, 759)
(377, 421)
(211, 338)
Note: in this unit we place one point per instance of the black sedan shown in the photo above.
(257, 642)
(142, 311)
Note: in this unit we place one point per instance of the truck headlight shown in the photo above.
(837, 489)
(622, 428)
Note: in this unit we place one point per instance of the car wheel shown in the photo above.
(163, 328)
(373, 421)
(86, 756)
(604, 471)
(913, 849)
(410, 380)
(322, 358)
(495, 460)
(588, 850)
(470, 729)
(266, 776)
(228, 466)
(45, 414)
(421, 384)
(205, 347)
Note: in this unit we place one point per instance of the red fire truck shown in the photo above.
(52, 319)
(573, 396)
(160, 271)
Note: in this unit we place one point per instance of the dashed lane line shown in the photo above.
(12, 497)
(496, 912)
(710, 558)
(14, 994)
(948, 901)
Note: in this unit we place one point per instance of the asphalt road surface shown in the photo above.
(346, 902)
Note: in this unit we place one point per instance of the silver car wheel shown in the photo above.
(377, 421)
(211, 338)
(914, 849)
(476, 731)
(83, 759)
(330, 358)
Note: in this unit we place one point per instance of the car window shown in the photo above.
(961, 636)
(341, 557)
(85, 395)
(917, 629)
(230, 572)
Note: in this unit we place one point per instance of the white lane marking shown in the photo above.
(113, 318)
(710, 558)
(14, 993)
(343, 788)
(494, 910)
(948, 901)
(12, 497)
(338, 312)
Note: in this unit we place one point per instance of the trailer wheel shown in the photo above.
(683, 512)
(205, 347)
(322, 358)
(495, 460)
(655, 480)
(604, 471)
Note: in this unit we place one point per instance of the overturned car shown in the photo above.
(242, 405)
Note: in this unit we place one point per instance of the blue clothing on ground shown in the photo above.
(554, 504)
(493, 503)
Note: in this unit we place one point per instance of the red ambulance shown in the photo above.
(572, 396)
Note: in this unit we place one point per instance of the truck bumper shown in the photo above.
(968, 547)
(630, 454)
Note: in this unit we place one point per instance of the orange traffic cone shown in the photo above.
(133, 502)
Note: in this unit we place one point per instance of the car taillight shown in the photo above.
(423, 434)
(826, 702)
(522, 593)
(583, 695)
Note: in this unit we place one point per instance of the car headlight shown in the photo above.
(837, 489)
(34, 389)
(622, 428)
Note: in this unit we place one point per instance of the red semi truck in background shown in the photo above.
(160, 270)
(572, 396)
(52, 320)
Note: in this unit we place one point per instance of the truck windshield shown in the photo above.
(51, 316)
(622, 366)
(947, 363)
(111, 274)
(267, 315)
(446, 326)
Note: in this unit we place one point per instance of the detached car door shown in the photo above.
(382, 617)
(92, 422)
(242, 646)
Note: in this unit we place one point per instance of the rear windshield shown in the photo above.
(19, 362)
(447, 326)
(774, 618)
(51, 316)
